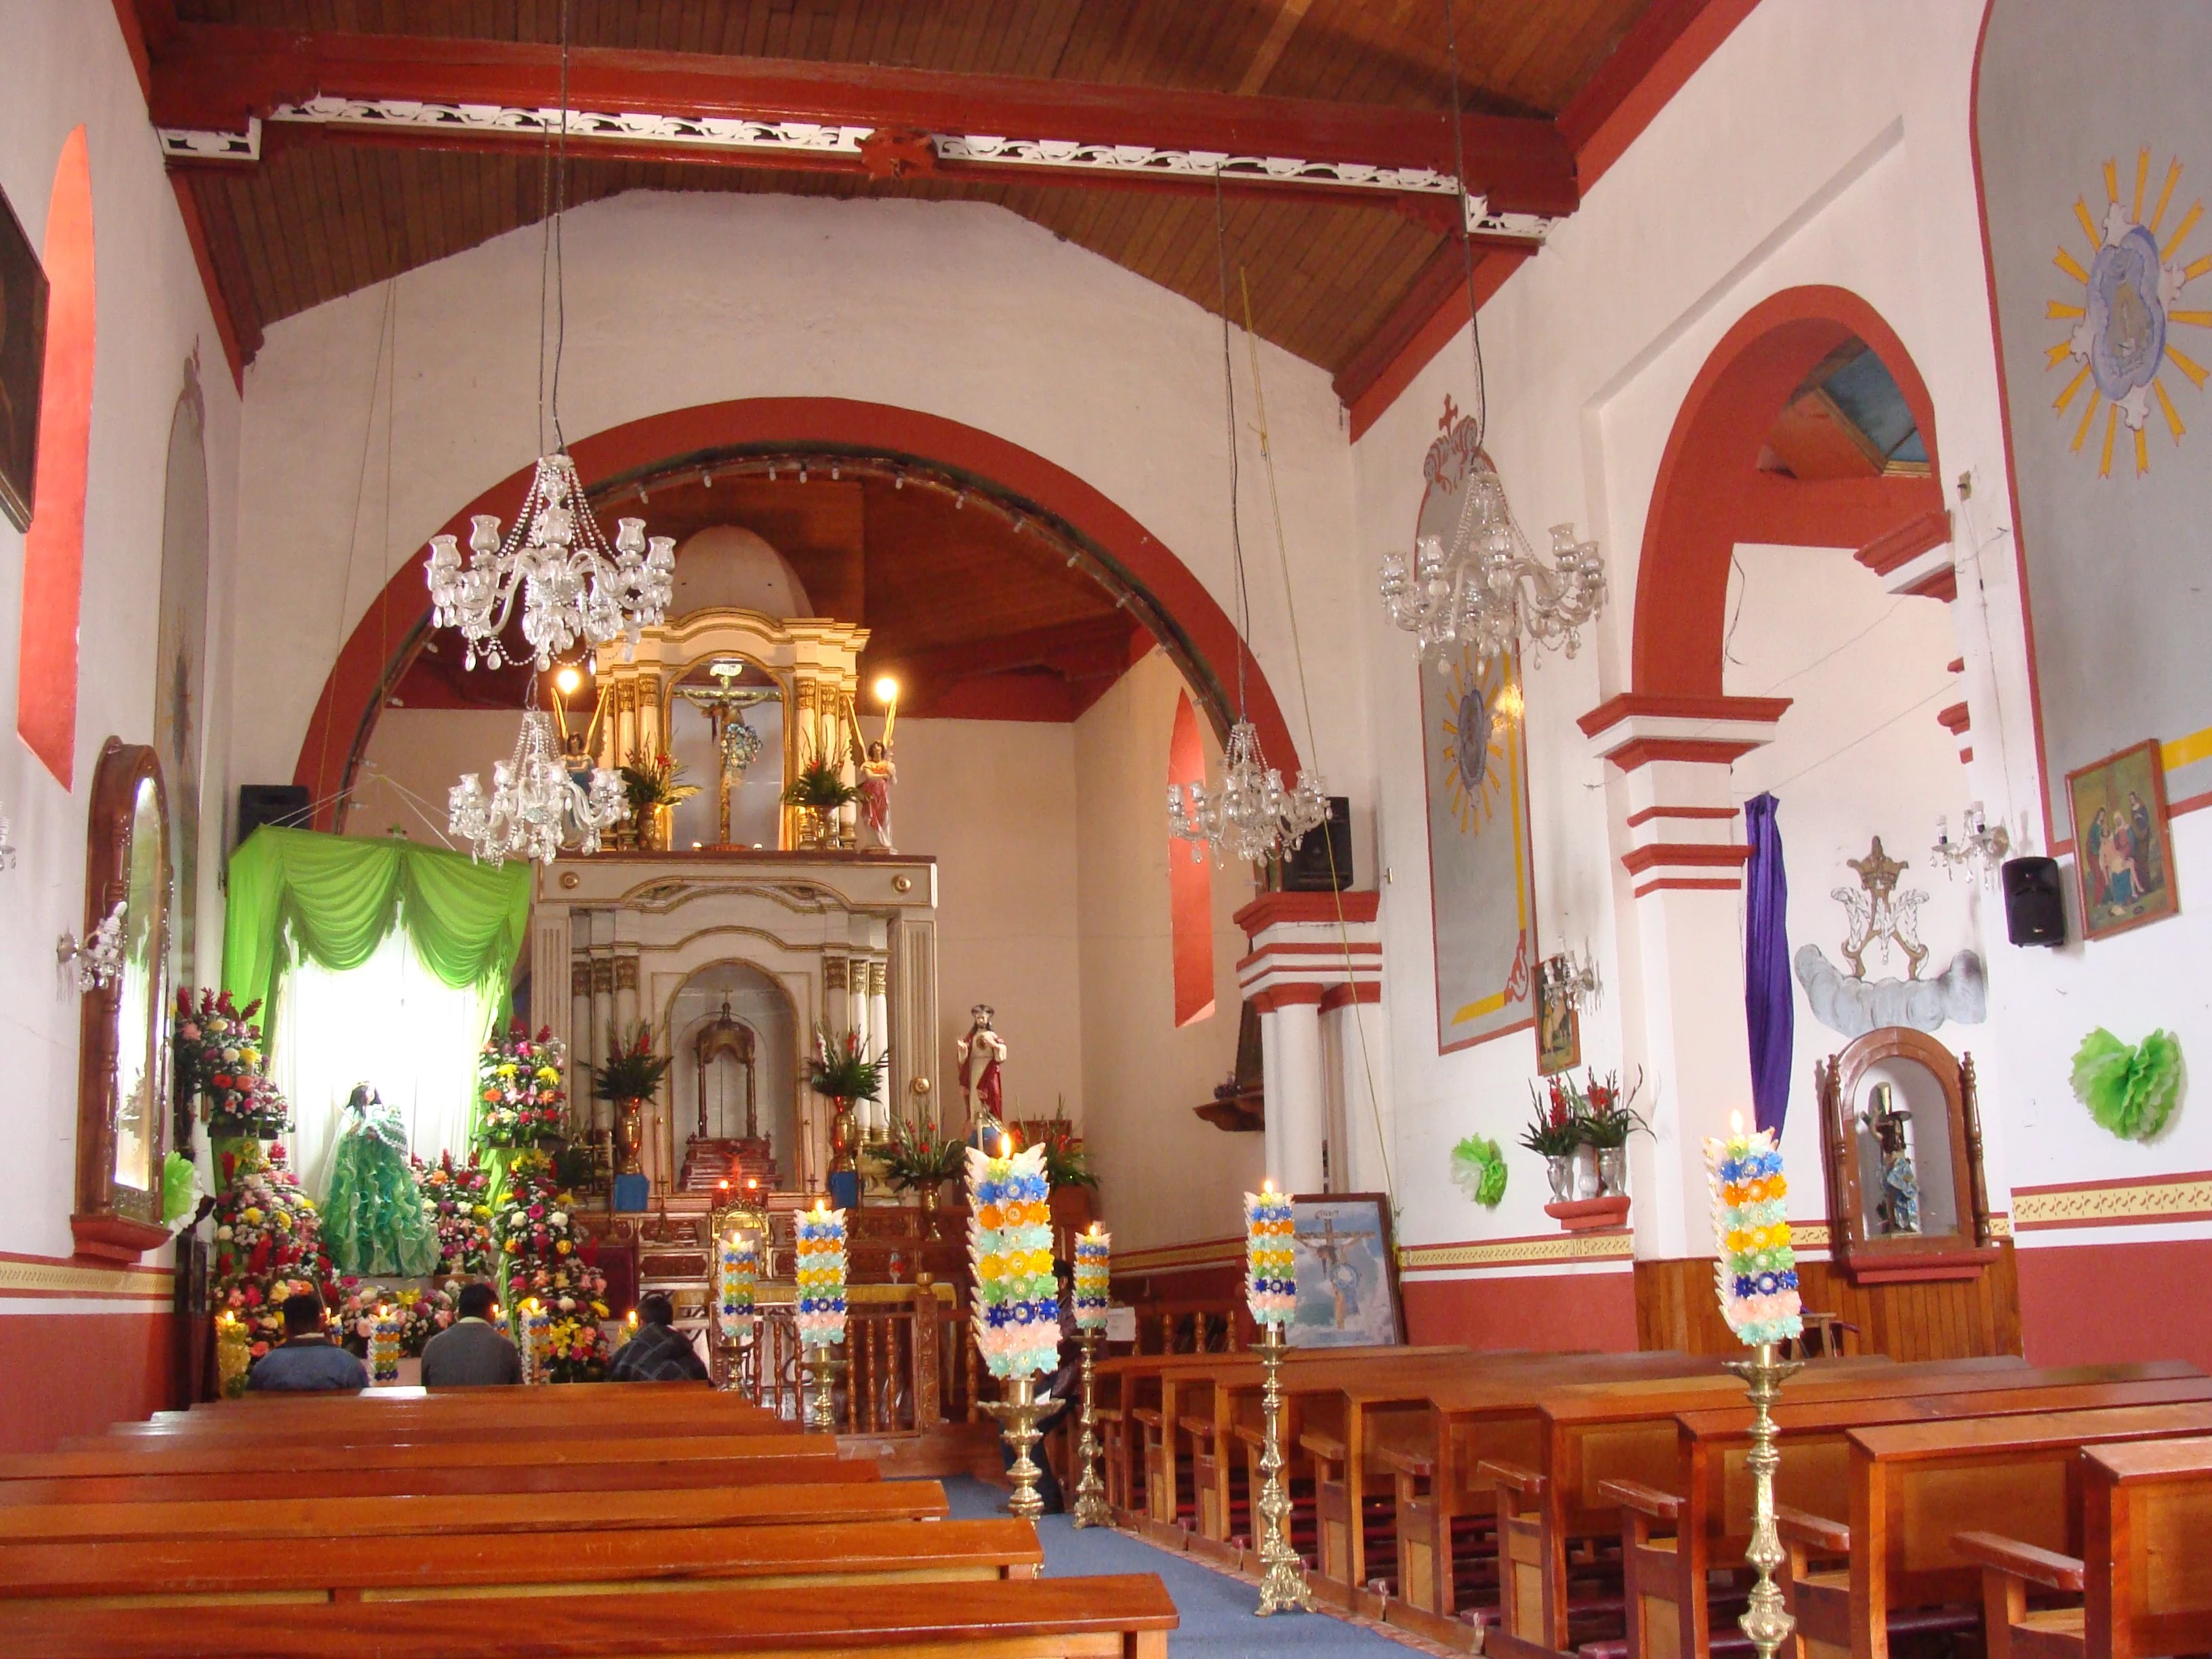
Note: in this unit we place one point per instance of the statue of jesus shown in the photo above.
(982, 1052)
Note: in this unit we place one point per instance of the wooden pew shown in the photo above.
(1914, 1486)
(1014, 1619)
(525, 1512)
(1627, 1432)
(1673, 1537)
(170, 1474)
(175, 1571)
(491, 1410)
(2146, 1564)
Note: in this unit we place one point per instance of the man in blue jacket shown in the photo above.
(306, 1359)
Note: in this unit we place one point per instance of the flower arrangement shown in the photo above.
(1556, 1131)
(634, 1071)
(1067, 1163)
(1270, 1285)
(1576, 1115)
(457, 1197)
(419, 1314)
(820, 1275)
(544, 1256)
(1478, 1164)
(656, 782)
(268, 1244)
(819, 784)
(2131, 1090)
(843, 1071)
(1756, 1273)
(519, 1093)
(916, 1158)
(1017, 1301)
(218, 1055)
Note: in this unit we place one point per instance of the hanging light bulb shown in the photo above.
(535, 804)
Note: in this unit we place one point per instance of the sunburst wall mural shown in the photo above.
(2119, 343)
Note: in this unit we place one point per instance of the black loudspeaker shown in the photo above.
(2035, 902)
(284, 805)
(1322, 861)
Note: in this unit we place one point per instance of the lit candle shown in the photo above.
(1017, 1302)
(384, 1348)
(734, 1293)
(1093, 1272)
(820, 1276)
(1270, 1276)
(1755, 1271)
(628, 1329)
(537, 1354)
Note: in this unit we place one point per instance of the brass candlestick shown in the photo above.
(1090, 1509)
(1765, 1623)
(732, 1351)
(1018, 1416)
(821, 1365)
(1283, 1587)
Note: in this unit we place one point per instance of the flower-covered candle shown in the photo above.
(536, 1352)
(1271, 1285)
(1093, 1272)
(1756, 1270)
(384, 1348)
(821, 1275)
(739, 1272)
(1009, 1249)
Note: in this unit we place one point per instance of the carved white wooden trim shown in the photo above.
(213, 146)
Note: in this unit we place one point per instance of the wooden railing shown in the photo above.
(904, 1346)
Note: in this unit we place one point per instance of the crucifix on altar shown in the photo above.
(724, 703)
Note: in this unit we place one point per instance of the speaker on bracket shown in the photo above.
(2035, 902)
(1322, 861)
(284, 805)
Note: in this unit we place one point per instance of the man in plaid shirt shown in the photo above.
(658, 1352)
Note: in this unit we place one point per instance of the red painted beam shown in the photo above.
(1850, 513)
(215, 76)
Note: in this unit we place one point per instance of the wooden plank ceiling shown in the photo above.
(1330, 280)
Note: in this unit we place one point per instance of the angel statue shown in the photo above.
(374, 1221)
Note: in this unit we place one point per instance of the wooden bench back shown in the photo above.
(582, 1446)
(2147, 1522)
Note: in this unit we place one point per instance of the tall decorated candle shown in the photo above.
(1755, 1270)
(739, 1272)
(537, 1345)
(821, 1273)
(1271, 1285)
(1094, 1253)
(384, 1348)
(1009, 1249)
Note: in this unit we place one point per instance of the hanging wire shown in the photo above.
(1481, 416)
(1229, 395)
(560, 207)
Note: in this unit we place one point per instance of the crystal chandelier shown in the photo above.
(1980, 848)
(534, 801)
(1251, 813)
(573, 585)
(1488, 590)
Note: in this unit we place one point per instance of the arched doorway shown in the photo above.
(984, 473)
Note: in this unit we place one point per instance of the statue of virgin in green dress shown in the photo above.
(374, 1221)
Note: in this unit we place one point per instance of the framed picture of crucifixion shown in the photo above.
(1348, 1273)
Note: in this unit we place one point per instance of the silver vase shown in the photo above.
(1561, 1171)
(1613, 1172)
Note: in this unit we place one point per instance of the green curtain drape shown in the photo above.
(337, 896)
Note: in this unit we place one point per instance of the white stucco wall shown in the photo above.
(65, 65)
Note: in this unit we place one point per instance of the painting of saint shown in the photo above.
(2122, 864)
(1347, 1274)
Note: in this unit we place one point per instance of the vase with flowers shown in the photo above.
(654, 786)
(1608, 1119)
(1556, 1136)
(844, 1073)
(820, 793)
(920, 1159)
(628, 1080)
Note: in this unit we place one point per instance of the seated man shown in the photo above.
(306, 1358)
(471, 1352)
(658, 1352)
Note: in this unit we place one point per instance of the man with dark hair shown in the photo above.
(658, 1352)
(306, 1359)
(472, 1351)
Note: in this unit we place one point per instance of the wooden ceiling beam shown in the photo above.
(211, 77)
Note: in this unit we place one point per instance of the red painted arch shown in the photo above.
(368, 662)
(1706, 498)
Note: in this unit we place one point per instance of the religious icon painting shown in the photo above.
(22, 365)
(1559, 1031)
(1348, 1273)
(1475, 768)
(2123, 845)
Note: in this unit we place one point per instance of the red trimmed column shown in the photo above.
(1315, 972)
(1671, 759)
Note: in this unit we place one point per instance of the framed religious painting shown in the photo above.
(22, 364)
(2123, 844)
(1558, 1028)
(1348, 1273)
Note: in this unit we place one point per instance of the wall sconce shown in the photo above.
(7, 847)
(1570, 979)
(94, 964)
(1980, 848)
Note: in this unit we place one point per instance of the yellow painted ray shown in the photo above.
(2143, 452)
(2088, 225)
(2172, 420)
(2111, 426)
(2194, 319)
(2059, 407)
(2057, 354)
(2196, 268)
(2165, 195)
(2113, 180)
(2181, 233)
(2067, 263)
(2142, 178)
(2089, 414)
(2058, 311)
(2193, 370)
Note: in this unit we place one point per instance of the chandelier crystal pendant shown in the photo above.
(535, 802)
(1980, 849)
(1489, 590)
(1251, 813)
(572, 584)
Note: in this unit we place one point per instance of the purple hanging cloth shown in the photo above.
(1769, 1005)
